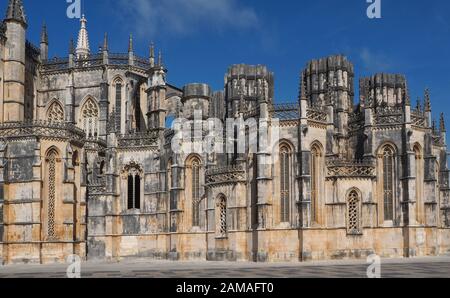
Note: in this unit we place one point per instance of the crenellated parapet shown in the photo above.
(383, 89)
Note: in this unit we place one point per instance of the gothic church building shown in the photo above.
(87, 166)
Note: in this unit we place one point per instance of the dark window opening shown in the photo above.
(130, 192)
(134, 192)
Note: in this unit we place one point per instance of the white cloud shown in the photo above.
(374, 62)
(151, 17)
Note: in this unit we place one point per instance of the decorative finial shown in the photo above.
(44, 34)
(105, 42)
(442, 123)
(427, 104)
(130, 44)
(433, 127)
(418, 105)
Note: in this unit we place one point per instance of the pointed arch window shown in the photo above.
(55, 112)
(51, 160)
(316, 155)
(118, 87)
(419, 183)
(90, 118)
(222, 225)
(354, 213)
(132, 175)
(118, 90)
(195, 193)
(388, 158)
(285, 184)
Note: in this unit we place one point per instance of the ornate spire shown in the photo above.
(83, 40)
(105, 42)
(427, 104)
(44, 34)
(442, 123)
(16, 12)
(130, 44)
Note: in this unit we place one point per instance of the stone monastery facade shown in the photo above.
(87, 166)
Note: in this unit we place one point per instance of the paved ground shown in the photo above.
(398, 268)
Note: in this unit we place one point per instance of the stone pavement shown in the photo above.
(437, 267)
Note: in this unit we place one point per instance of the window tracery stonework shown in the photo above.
(354, 213)
(55, 113)
(222, 220)
(89, 118)
(51, 160)
(387, 157)
(195, 172)
(134, 174)
(284, 183)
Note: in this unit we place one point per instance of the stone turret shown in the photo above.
(14, 63)
(196, 98)
(249, 83)
(334, 72)
(328, 86)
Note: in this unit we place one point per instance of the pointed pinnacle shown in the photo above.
(427, 104)
(71, 47)
(130, 44)
(105, 42)
(442, 123)
(152, 50)
(44, 34)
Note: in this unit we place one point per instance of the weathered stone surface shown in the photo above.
(87, 166)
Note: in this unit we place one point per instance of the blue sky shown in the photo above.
(201, 38)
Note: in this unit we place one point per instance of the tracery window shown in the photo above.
(419, 183)
(388, 157)
(51, 160)
(353, 213)
(316, 155)
(89, 118)
(222, 217)
(55, 112)
(195, 176)
(133, 175)
(285, 184)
